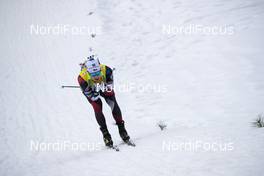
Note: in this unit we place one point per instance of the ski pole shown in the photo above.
(69, 86)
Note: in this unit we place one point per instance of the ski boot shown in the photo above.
(122, 132)
(107, 137)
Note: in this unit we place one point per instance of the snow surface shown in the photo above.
(213, 87)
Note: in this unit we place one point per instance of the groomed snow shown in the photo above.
(212, 87)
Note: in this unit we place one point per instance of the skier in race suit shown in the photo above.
(96, 80)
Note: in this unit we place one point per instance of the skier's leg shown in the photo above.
(111, 101)
(98, 106)
(116, 112)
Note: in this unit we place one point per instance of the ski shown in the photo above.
(114, 147)
(130, 143)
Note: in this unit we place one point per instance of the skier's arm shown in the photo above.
(109, 83)
(109, 76)
(87, 90)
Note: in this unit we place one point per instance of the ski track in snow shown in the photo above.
(214, 87)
